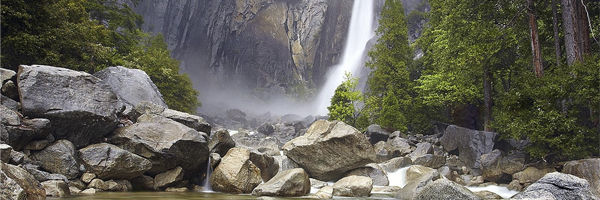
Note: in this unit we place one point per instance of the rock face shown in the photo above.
(293, 182)
(80, 107)
(445, 189)
(23, 184)
(132, 86)
(588, 169)
(471, 144)
(259, 43)
(165, 143)
(330, 149)
(236, 173)
(108, 161)
(353, 186)
(60, 157)
(557, 185)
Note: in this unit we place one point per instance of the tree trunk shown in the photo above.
(584, 29)
(570, 27)
(535, 41)
(556, 34)
(487, 99)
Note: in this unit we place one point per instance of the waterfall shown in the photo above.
(361, 30)
(209, 171)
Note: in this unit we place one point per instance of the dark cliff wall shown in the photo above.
(253, 45)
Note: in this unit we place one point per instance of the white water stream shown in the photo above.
(361, 30)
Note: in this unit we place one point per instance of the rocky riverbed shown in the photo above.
(65, 132)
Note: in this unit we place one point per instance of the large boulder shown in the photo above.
(108, 161)
(132, 86)
(293, 182)
(397, 146)
(236, 173)
(330, 149)
(19, 131)
(588, 169)
(531, 175)
(168, 178)
(471, 144)
(59, 157)
(558, 185)
(56, 188)
(353, 186)
(220, 142)
(418, 177)
(445, 189)
(193, 121)
(165, 143)
(80, 107)
(19, 184)
(268, 166)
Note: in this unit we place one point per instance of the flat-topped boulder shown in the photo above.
(330, 149)
(108, 161)
(81, 108)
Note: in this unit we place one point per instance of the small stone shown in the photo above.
(88, 177)
(89, 191)
(98, 184)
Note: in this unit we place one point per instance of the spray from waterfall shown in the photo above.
(361, 30)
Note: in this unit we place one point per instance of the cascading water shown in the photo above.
(361, 30)
(206, 184)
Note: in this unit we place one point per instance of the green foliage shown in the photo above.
(344, 100)
(558, 112)
(90, 35)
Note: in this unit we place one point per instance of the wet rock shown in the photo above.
(376, 134)
(23, 184)
(79, 106)
(132, 86)
(165, 143)
(531, 175)
(168, 178)
(293, 182)
(267, 164)
(56, 188)
(588, 169)
(220, 142)
(418, 177)
(372, 171)
(236, 173)
(471, 144)
(445, 189)
(59, 157)
(329, 149)
(558, 185)
(396, 163)
(353, 186)
(118, 185)
(108, 161)
(429, 160)
(193, 121)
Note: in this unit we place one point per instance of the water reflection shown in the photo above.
(191, 196)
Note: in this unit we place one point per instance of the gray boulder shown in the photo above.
(220, 142)
(56, 188)
(373, 171)
(9, 103)
(80, 107)
(395, 163)
(423, 148)
(108, 161)
(376, 134)
(59, 157)
(397, 146)
(132, 86)
(165, 143)
(268, 145)
(558, 185)
(418, 177)
(10, 90)
(42, 176)
(5, 151)
(531, 175)
(6, 74)
(588, 169)
(19, 184)
(471, 144)
(429, 160)
(293, 182)
(330, 149)
(236, 173)
(19, 131)
(353, 186)
(268, 166)
(168, 178)
(193, 121)
(445, 189)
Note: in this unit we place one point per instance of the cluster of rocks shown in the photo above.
(64, 132)
(70, 132)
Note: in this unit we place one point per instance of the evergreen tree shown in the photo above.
(344, 100)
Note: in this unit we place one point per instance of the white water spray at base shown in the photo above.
(361, 30)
